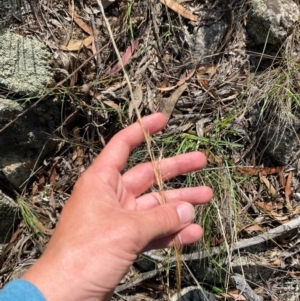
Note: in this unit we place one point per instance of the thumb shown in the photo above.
(167, 219)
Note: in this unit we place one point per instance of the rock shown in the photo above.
(256, 271)
(280, 142)
(27, 141)
(207, 39)
(272, 20)
(8, 217)
(195, 293)
(24, 64)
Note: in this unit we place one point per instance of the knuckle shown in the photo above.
(166, 219)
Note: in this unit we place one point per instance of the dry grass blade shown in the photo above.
(148, 139)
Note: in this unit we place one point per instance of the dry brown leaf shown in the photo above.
(41, 183)
(282, 219)
(264, 171)
(204, 84)
(170, 103)
(75, 45)
(270, 187)
(234, 294)
(282, 179)
(115, 107)
(295, 274)
(276, 262)
(138, 98)
(35, 188)
(209, 70)
(179, 83)
(126, 57)
(180, 10)
(211, 158)
(269, 207)
(288, 190)
(79, 21)
(44, 229)
(254, 228)
(216, 241)
(53, 173)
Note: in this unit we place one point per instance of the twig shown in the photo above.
(144, 276)
(171, 261)
(245, 243)
(97, 46)
(244, 288)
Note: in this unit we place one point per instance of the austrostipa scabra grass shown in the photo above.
(148, 139)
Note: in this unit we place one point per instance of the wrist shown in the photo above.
(62, 280)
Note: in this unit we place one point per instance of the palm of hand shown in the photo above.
(107, 221)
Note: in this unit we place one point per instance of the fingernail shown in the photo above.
(186, 213)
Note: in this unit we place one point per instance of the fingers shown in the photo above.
(186, 236)
(141, 177)
(194, 195)
(164, 221)
(116, 153)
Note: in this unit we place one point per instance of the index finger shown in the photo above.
(116, 152)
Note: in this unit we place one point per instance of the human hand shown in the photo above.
(107, 221)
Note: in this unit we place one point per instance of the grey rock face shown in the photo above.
(24, 64)
(271, 19)
(257, 271)
(8, 217)
(280, 143)
(27, 141)
(207, 39)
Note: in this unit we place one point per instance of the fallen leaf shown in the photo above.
(44, 229)
(113, 105)
(79, 21)
(179, 83)
(136, 101)
(270, 187)
(276, 262)
(204, 83)
(254, 228)
(53, 173)
(269, 207)
(211, 158)
(42, 182)
(125, 58)
(288, 190)
(35, 188)
(295, 274)
(170, 103)
(94, 50)
(282, 179)
(234, 294)
(264, 171)
(216, 241)
(180, 10)
(210, 70)
(75, 45)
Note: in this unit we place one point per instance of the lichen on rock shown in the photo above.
(24, 64)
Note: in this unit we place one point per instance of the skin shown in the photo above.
(107, 221)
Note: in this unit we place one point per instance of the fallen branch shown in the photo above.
(171, 261)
